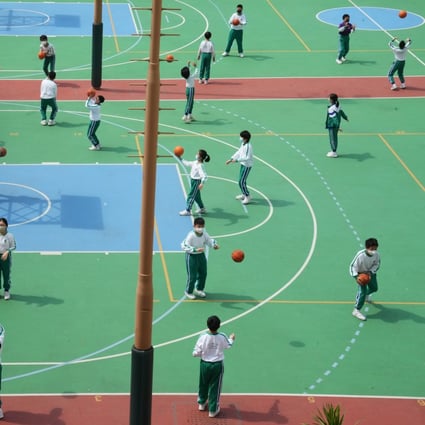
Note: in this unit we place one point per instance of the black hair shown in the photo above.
(369, 243)
(334, 98)
(239, 6)
(204, 155)
(208, 35)
(402, 44)
(246, 135)
(4, 220)
(185, 72)
(199, 221)
(345, 15)
(101, 99)
(213, 323)
(43, 37)
(52, 75)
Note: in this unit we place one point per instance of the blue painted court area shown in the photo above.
(88, 208)
(64, 19)
(371, 18)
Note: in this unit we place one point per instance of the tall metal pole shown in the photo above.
(97, 46)
(142, 350)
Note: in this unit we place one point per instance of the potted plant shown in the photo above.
(329, 415)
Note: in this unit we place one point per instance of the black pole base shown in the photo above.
(97, 47)
(141, 386)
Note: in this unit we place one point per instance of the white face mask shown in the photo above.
(370, 252)
(3, 229)
(241, 140)
(199, 230)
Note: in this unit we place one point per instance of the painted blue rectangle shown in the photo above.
(64, 19)
(88, 208)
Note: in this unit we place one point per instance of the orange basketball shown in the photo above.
(238, 255)
(3, 151)
(179, 151)
(236, 21)
(363, 278)
(91, 92)
(41, 55)
(169, 58)
(402, 14)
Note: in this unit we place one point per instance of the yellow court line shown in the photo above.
(289, 26)
(243, 301)
(114, 33)
(402, 162)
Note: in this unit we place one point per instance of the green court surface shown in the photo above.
(71, 317)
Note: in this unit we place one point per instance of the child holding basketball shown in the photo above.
(345, 28)
(245, 156)
(1, 367)
(94, 104)
(237, 22)
(198, 176)
(194, 245)
(50, 54)
(400, 51)
(333, 122)
(206, 53)
(210, 348)
(190, 90)
(366, 261)
(7, 245)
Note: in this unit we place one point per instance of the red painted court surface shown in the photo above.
(182, 410)
(250, 88)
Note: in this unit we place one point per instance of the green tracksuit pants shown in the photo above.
(194, 195)
(344, 46)
(396, 66)
(196, 268)
(235, 35)
(210, 382)
(205, 68)
(5, 267)
(364, 290)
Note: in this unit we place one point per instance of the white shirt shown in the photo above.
(399, 54)
(206, 46)
(244, 155)
(48, 89)
(365, 263)
(94, 109)
(242, 21)
(197, 171)
(210, 347)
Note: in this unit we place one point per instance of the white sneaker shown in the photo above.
(403, 86)
(225, 54)
(332, 155)
(202, 406)
(206, 82)
(200, 294)
(191, 117)
(393, 87)
(6, 295)
(51, 122)
(246, 200)
(1, 413)
(190, 296)
(240, 197)
(241, 55)
(43, 122)
(184, 117)
(201, 211)
(343, 59)
(339, 62)
(201, 81)
(185, 212)
(358, 314)
(214, 414)
(94, 148)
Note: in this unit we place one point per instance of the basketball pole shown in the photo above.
(142, 350)
(97, 46)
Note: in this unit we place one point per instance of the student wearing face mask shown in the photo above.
(198, 176)
(7, 245)
(237, 22)
(245, 156)
(194, 245)
(365, 261)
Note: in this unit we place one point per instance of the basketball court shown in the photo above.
(75, 215)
